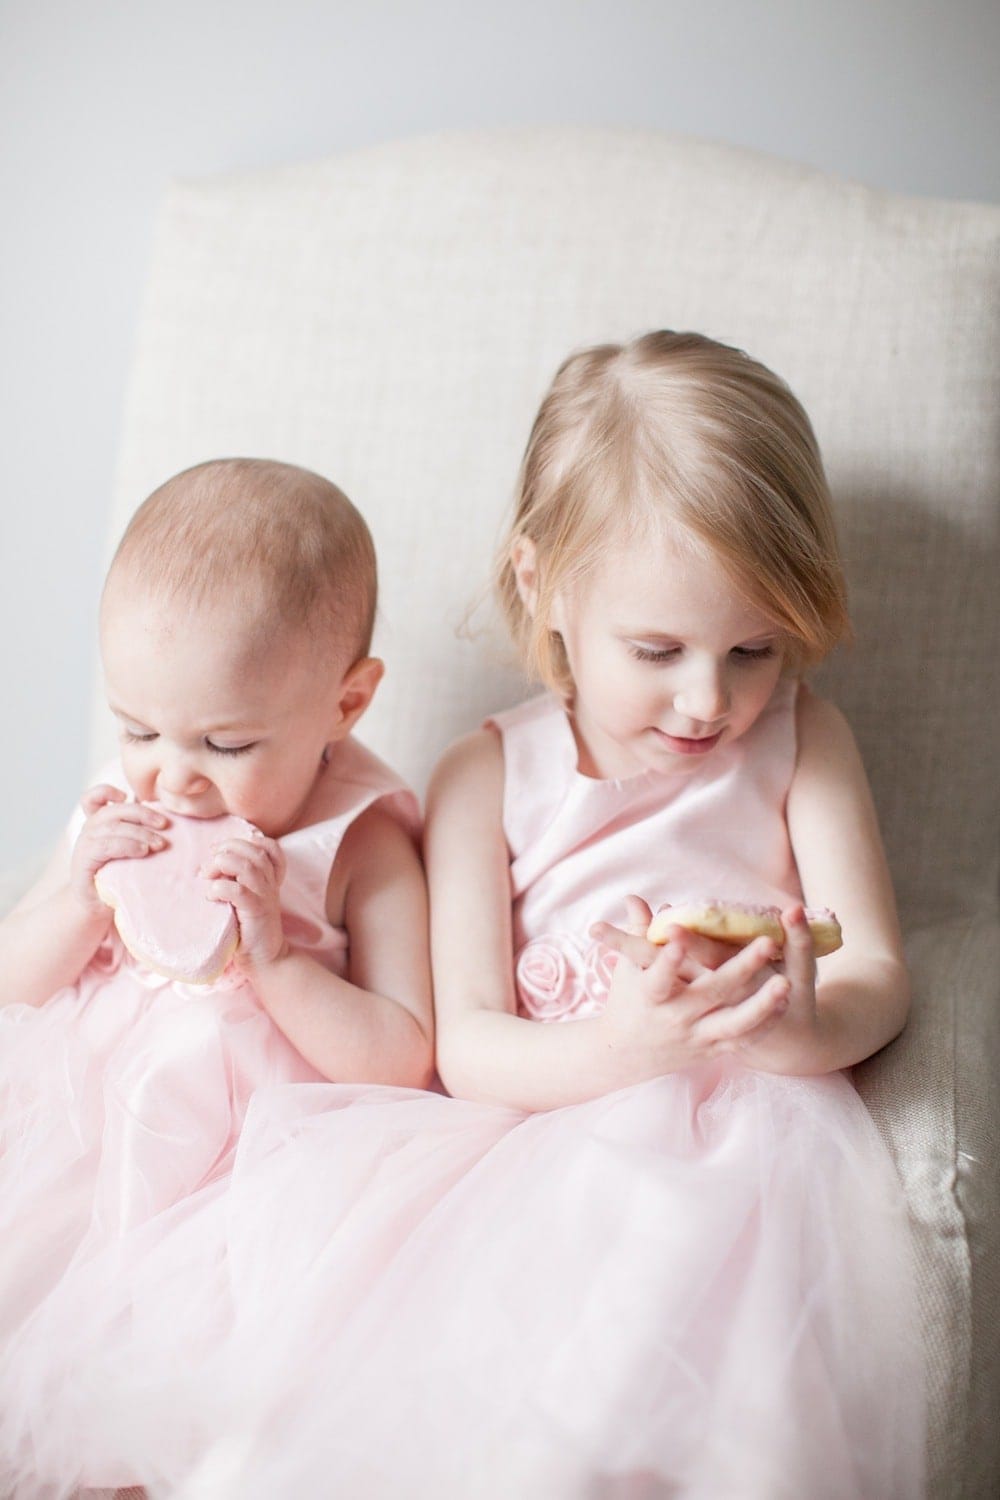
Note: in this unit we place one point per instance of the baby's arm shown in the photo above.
(858, 998)
(654, 1022)
(48, 938)
(375, 1026)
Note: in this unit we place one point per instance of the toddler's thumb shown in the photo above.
(637, 916)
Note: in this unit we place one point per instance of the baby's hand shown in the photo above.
(248, 874)
(114, 829)
(668, 1008)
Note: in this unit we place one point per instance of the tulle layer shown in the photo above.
(120, 1099)
(698, 1287)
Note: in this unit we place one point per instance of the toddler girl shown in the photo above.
(235, 629)
(655, 1246)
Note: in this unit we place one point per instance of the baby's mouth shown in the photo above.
(201, 811)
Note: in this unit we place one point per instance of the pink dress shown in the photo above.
(698, 1287)
(121, 1102)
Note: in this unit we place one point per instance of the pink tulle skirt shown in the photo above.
(121, 1100)
(698, 1287)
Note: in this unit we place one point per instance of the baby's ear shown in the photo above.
(524, 562)
(357, 690)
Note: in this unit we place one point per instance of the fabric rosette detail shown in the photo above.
(559, 978)
(599, 965)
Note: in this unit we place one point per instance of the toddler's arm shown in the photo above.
(47, 939)
(654, 1023)
(858, 999)
(375, 1026)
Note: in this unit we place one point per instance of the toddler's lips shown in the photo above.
(681, 746)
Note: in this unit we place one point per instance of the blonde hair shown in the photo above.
(282, 543)
(675, 429)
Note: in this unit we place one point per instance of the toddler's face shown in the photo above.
(210, 724)
(668, 663)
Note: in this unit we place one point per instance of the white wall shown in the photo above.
(101, 103)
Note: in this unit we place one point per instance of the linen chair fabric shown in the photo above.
(392, 317)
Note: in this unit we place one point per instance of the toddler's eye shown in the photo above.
(753, 653)
(230, 749)
(651, 653)
(133, 738)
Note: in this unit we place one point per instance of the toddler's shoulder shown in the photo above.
(829, 772)
(470, 766)
(822, 730)
(539, 712)
(509, 744)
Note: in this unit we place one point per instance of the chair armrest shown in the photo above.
(935, 1095)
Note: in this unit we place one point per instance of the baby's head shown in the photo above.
(236, 622)
(280, 548)
(675, 436)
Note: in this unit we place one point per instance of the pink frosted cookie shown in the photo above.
(161, 911)
(735, 922)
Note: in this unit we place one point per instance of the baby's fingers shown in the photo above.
(96, 797)
(247, 874)
(258, 867)
(114, 814)
(120, 842)
(118, 830)
(104, 840)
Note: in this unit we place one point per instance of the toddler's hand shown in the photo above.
(114, 829)
(798, 963)
(248, 874)
(631, 941)
(667, 1008)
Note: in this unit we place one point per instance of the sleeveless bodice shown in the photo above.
(358, 779)
(579, 845)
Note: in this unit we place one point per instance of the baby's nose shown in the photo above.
(180, 777)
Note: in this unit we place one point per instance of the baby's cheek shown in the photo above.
(136, 774)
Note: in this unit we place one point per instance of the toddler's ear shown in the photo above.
(524, 561)
(356, 692)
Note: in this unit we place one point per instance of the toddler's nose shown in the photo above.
(703, 696)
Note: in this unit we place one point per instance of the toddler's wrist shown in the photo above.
(616, 1062)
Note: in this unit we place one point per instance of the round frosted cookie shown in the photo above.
(738, 923)
(162, 913)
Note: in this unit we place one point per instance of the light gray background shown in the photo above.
(100, 104)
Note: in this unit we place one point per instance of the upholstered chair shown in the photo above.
(391, 318)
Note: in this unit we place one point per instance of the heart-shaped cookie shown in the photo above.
(162, 913)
